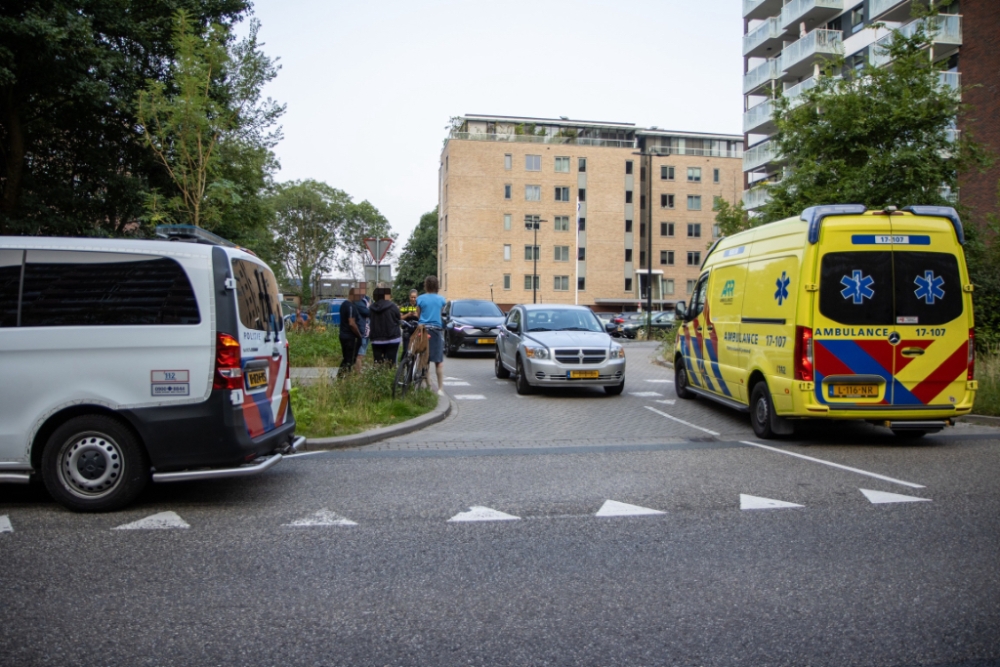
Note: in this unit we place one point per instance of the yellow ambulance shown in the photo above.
(841, 313)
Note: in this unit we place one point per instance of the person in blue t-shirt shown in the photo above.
(429, 305)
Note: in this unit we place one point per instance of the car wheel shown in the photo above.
(615, 390)
(681, 380)
(93, 463)
(448, 350)
(523, 388)
(498, 368)
(761, 411)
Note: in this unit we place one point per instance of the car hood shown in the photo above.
(570, 338)
(480, 322)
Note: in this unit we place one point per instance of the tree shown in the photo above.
(881, 136)
(982, 253)
(365, 221)
(311, 219)
(732, 218)
(419, 257)
(71, 161)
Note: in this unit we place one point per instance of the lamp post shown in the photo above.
(649, 237)
(535, 223)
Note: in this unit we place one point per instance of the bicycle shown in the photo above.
(412, 369)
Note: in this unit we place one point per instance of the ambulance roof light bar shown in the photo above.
(814, 216)
(941, 212)
(191, 234)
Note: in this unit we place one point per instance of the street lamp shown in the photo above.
(649, 238)
(535, 223)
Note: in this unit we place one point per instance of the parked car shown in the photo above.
(554, 345)
(607, 319)
(130, 361)
(660, 321)
(470, 324)
(328, 312)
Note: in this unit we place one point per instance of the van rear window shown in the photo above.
(928, 287)
(856, 287)
(257, 296)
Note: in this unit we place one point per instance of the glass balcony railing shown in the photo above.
(545, 139)
(759, 155)
(756, 197)
(951, 80)
(757, 117)
(768, 30)
(800, 10)
(877, 8)
(817, 42)
(946, 29)
(756, 9)
(794, 93)
(761, 75)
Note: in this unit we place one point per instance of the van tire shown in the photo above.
(762, 411)
(499, 369)
(94, 463)
(681, 380)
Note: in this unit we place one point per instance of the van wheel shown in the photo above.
(761, 411)
(499, 369)
(681, 380)
(93, 463)
(522, 386)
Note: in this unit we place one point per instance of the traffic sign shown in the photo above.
(377, 248)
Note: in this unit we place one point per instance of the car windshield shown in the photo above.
(475, 309)
(563, 320)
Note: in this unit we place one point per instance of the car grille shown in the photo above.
(561, 377)
(572, 356)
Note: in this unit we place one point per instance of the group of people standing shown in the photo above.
(378, 322)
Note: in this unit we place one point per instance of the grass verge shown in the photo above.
(314, 347)
(355, 402)
(988, 375)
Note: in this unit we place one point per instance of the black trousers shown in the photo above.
(385, 352)
(349, 346)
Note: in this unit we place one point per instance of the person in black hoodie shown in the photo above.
(385, 331)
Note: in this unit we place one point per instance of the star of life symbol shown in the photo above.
(929, 287)
(857, 287)
(782, 284)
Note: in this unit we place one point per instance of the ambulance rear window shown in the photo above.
(928, 287)
(856, 287)
(257, 296)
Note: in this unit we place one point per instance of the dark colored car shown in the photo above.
(471, 324)
(608, 320)
(661, 321)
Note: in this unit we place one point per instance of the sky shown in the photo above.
(370, 86)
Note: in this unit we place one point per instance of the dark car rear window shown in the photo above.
(928, 287)
(856, 287)
(475, 309)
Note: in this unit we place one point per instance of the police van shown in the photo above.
(841, 313)
(129, 361)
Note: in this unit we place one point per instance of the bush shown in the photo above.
(988, 375)
(314, 346)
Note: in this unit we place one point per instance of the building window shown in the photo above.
(581, 194)
(668, 286)
(666, 201)
(506, 281)
(581, 224)
(628, 226)
(694, 174)
(666, 173)
(667, 257)
(532, 193)
(532, 162)
(446, 223)
(628, 196)
(562, 194)
(716, 232)
(561, 223)
(507, 161)
(628, 254)
(532, 222)
(581, 254)
(690, 286)
(694, 202)
(506, 221)
(528, 255)
(642, 202)
(506, 252)
(562, 165)
(628, 166)
(694, 230)
(581, 283)
(715, 175)
(562, 253)
(666, 229)
(446, 252)
(628, 284)
(642, 259)
(581, 165)
(642, 174)
(642, 230)
(561, 283)
(694, 258)
(527, 282)
(506, 191)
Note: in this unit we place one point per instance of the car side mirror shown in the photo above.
(681, 310)
(610, 326)
(512, 327)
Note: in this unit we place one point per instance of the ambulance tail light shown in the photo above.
(972, 355)
(804, 354)
(228, 373)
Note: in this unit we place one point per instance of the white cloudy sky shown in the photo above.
(370, 85)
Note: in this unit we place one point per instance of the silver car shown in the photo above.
(552, 345)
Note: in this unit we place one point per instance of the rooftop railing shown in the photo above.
(543, 139)
(706, 152)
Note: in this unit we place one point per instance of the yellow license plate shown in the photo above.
(854, 390)
(579, 375)
(486, 341)
(256, 378)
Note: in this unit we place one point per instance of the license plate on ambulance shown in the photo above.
(256, 378)
(581, 375)
(854, 391)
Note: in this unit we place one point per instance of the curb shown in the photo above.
(661, 362)
(981, 420)
(439, 413)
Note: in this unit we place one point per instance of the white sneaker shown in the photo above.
(440, 392)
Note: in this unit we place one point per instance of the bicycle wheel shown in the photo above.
(417, 374)
(403, 376)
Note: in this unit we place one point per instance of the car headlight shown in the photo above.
(536, 352)
(617, 352)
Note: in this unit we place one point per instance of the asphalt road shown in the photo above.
(360, 556)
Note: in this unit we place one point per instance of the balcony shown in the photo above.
(545, 139)
(759, 119)
(761, 76)
(794, 94)
(809, 11)
(760, 9)
(952, 81)
(756, 197)
(890, 10)
(757, 156)
(945, 42)
(764, 39)
(799, 58)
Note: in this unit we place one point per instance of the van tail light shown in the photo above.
(228, 373)
(804, 354)
(288, 367)
(972, 356)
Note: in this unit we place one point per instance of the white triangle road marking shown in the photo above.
(5, 526)
(661, 381)
(480, 513)
(645, 394)
(448, 377)
(666, 401)
(322, 518)
(882, 497)
(470, 397)
(160, 521)
(758, 503)
(615, 508)
(455, 383)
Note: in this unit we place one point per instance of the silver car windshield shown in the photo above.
(563, 320)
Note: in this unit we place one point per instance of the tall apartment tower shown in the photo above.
(581, 189)
(785, 41)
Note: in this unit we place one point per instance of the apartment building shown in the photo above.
(555, 210)
(785, 42)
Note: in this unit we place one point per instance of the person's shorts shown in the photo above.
(435, 347)
(363, 349)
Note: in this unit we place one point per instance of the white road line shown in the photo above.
(480, 513)
(882, 497)
(666, 401)
(448, 377)
(661, 381)
(470, 397)
(664, 414)
(834, 465)
(615, 508)
(160, 521)
(456, 384)
(5, 526)
(644, 394)
(322, 518)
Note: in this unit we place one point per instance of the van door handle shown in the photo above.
(912, 351)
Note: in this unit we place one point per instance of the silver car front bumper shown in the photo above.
(610, 372)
